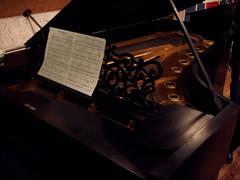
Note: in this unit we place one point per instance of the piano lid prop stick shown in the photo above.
(196, 55)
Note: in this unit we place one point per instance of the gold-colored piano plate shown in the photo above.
(175, 58)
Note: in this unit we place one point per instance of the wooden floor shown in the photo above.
(231, 171)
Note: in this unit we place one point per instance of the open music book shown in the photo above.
(73, 60)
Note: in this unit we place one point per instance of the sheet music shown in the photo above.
(73, 59)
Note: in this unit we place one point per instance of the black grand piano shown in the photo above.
(167, 122)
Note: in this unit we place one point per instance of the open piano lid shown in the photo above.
(90, 17)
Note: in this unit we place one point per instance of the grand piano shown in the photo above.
(166, 123)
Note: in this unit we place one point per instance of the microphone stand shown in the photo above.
(28, 13)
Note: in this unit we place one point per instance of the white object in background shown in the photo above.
(15, 31)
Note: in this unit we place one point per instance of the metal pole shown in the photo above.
(197, 57)
(28, 13)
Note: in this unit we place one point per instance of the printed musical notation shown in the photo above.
(73, 60)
